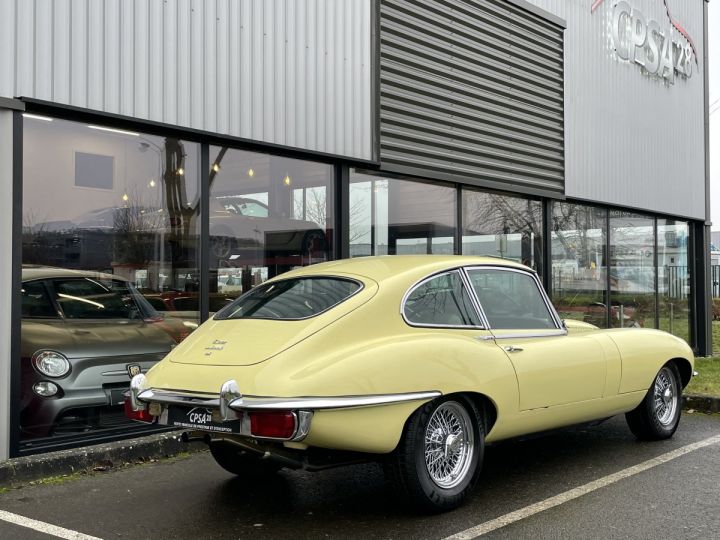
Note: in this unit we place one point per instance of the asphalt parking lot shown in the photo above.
(593, 482)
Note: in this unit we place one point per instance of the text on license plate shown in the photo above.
(200, 418)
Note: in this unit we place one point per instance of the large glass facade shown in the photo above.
(674, 277)
(579, 282)
(502, 226)
(395, 217)
(110, 253)
(632, 270)
(268, 215)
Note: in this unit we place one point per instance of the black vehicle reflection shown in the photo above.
(239, 224)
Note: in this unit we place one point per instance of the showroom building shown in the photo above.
(157, 159)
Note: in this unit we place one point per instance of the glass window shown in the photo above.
(100, 298)
(632, 270)
(103, 209)
(441, 301)
(291, 299)
(502, 226)
(389, 216)
(35, 301)
(268, 215)
(674, 277)
(579, 279)
(511, 300)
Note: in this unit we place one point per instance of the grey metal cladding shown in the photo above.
(472, 90)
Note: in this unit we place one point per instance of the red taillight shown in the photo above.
(140, 416)
(275, 424)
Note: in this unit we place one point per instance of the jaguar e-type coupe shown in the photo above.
(415, 361)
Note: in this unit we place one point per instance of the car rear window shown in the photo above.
(291, 299)
(99, 298)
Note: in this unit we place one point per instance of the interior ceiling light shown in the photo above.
(251, 173)
(112, 130)
(287, 180)
(37, 117)
(216, 167)
(181, 171)
(152, 182)
(125, 197)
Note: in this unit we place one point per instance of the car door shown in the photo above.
(552, 367)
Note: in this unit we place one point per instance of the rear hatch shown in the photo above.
(247, 341)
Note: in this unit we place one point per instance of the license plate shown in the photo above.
(201, 419)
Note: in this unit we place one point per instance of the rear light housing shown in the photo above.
(139, 416)
(273, 424)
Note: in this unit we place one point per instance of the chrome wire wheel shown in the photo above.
(449, 444)
(665, 397)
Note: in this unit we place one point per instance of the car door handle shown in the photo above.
(512, 348)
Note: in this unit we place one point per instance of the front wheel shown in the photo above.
(439, 458)
(245, 464)
(658, 416)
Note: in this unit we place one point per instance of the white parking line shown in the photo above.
(46, 528)
(517, 515)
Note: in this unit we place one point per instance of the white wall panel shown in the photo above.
(294, 72)
(631, 139)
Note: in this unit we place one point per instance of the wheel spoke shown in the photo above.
(448, 444)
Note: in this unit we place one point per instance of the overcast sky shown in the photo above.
(714, 52)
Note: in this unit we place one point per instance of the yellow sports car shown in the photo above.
(415, 361)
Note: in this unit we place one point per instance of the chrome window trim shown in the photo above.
(424, 280)
(533, 275)
(474, 297)
(174, 397)
(318, 276)
(551, 333)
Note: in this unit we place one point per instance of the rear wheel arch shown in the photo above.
(486, 406)
(685, 368)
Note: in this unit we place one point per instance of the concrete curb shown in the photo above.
(702, 404)
(102, 457)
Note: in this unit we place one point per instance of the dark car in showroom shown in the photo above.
(84, 335)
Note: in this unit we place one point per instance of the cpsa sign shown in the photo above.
(644, 42)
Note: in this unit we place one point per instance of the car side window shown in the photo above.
(441, 301)
(36, 301)
(511, 300)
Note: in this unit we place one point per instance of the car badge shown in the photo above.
(216, 345)
(133, 369)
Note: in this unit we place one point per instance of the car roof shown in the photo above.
(31, 272)
(386, 266)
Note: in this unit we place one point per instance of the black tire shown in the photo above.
(408, 468)
(245, 464)
(658, 416)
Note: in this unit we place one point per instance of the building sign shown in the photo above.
(661, 52)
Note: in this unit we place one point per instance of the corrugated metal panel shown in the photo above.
(472, 90)
(631, 139)
(294, 72)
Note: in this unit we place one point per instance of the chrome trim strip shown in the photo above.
(552, 333)
(115, 373)
(317, 403)
(173, 398)
(275, 403)
(474, 297)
